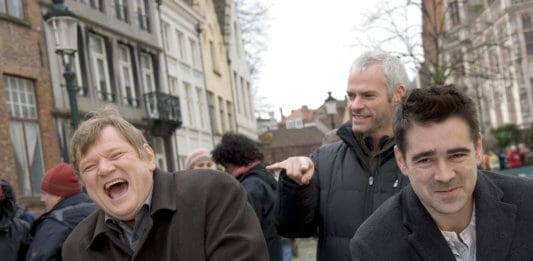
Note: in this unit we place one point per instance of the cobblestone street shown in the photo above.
(306, 249)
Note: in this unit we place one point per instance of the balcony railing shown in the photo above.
(162, 106)
(163, 112)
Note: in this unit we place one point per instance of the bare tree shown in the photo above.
(445, 41)
(253, 17)
(433, 39)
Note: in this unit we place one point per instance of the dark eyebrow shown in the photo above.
(458, 150)
(422, 155)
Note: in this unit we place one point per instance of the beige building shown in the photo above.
(216, 71)
(241, 85)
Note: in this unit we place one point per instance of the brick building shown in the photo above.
(28, 137)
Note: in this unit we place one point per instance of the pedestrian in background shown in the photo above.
(199, 159)
(14, 232)
(451, 210)
(242, 159)
(148, 214)
(342, 183)
(66, 205)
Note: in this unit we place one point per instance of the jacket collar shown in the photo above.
(163, 198)
(495, 224)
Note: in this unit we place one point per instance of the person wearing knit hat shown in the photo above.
(66, 206)
(199, 159)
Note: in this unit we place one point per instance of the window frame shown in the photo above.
(96, 57)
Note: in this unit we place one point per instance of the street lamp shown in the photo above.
(64, 26)
(331, 108)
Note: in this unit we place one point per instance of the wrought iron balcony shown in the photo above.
(163, 111)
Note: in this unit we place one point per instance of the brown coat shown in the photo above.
(195, 215)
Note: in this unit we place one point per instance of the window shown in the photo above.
(246, 98)
(238, 91)
(454, 13)
(221, 112)
(147, 72)
(173, 85)
(167, 45)
(201, 104)
(180, 45)
(230, 115)
(528, 37)
(121, 9)
(526, 21)
(190, 104)
(195, 58)
(214, 58)
(11, 8)
(212, 113)
(101, 68)
(237, 40)
(142, 13)
(24, 133)
(159, 148)
(126, 76)
(97, 4)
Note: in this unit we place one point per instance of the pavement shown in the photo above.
(306, 249)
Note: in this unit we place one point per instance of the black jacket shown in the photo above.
(14, 232)
(261, 189)
(51, 229)
(345, 189)
(402, 229)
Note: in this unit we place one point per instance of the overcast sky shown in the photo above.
(309, 51)
(311, 45)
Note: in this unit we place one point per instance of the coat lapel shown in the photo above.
(425, 237)
(495, 221)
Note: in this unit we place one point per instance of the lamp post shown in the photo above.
(331, 108)
(64, 27)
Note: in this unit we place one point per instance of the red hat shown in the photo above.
(60, 181)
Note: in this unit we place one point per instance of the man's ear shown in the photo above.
(399, 93)
(479, 148)
(400, 161)
(149, 156)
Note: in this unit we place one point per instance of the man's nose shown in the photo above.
(444, 172)
(105, 167)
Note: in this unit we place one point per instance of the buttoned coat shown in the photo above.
(194, 215)
(402, 229)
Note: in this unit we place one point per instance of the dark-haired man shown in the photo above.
(451, 210)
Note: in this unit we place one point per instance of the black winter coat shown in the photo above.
(14, 232)
(343, 192)
(261, 189)
(403, 230)
(51, 229)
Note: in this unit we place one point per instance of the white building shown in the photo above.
(185, 76)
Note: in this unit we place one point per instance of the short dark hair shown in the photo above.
(237, 150)
(432, 105)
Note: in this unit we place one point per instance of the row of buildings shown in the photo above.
(174, 68)
(487, 47)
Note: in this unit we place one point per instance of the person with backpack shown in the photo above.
(241, 158)
(66, 206)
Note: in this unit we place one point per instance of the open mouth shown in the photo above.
(116, 188)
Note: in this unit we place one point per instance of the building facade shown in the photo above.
(117, 63)
(487, 46)
(28, 136)
(216, 71)
(239, 69)
(182, 58)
